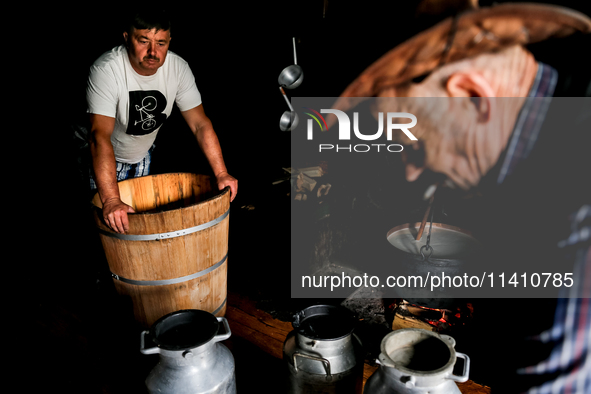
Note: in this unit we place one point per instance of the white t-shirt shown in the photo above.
(140, 104)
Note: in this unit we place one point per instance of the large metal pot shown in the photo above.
(191, 358)
(417, 361)
(452, 252)
(322, 353)
(440, 297)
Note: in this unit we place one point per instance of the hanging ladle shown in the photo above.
(289, 119)
(291, 77)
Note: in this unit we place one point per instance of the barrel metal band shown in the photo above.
(171, 234)
(219, 308)
(170, 281)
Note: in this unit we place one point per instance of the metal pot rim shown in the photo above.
(315, 310)
(208, 322)
(449, 343)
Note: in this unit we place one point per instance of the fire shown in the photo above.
(440, 319)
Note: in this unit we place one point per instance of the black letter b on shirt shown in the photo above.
(146, 111)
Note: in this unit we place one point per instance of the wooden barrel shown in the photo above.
(175, 254)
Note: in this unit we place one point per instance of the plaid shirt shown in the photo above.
(569, 363)
(530, 119)
(124, 170)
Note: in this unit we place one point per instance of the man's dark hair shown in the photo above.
(148, 18)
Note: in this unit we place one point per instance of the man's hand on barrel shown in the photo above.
(115, 215)
(224, 179)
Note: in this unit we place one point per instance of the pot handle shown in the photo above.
(464, 376)
(308, 356)
(143, 350)
(226, 334)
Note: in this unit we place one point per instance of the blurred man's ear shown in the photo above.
(125, 38)
(472, 84)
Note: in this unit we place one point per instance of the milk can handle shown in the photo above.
(308, 356)
(143, 350)
(464, 377)
(227, 332)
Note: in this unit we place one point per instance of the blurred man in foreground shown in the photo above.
(493, 132)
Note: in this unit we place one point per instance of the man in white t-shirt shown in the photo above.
(131, 91)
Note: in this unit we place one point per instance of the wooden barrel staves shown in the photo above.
(175, 254)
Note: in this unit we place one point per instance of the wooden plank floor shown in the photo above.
(258, 328)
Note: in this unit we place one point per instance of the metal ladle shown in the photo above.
(291, 77)
(289, 119)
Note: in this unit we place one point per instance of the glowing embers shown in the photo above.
(442, 320)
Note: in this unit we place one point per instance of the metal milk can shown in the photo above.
(413, 360)
(322, 354)
(191, 358)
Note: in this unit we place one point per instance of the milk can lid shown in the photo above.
(184, 329)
